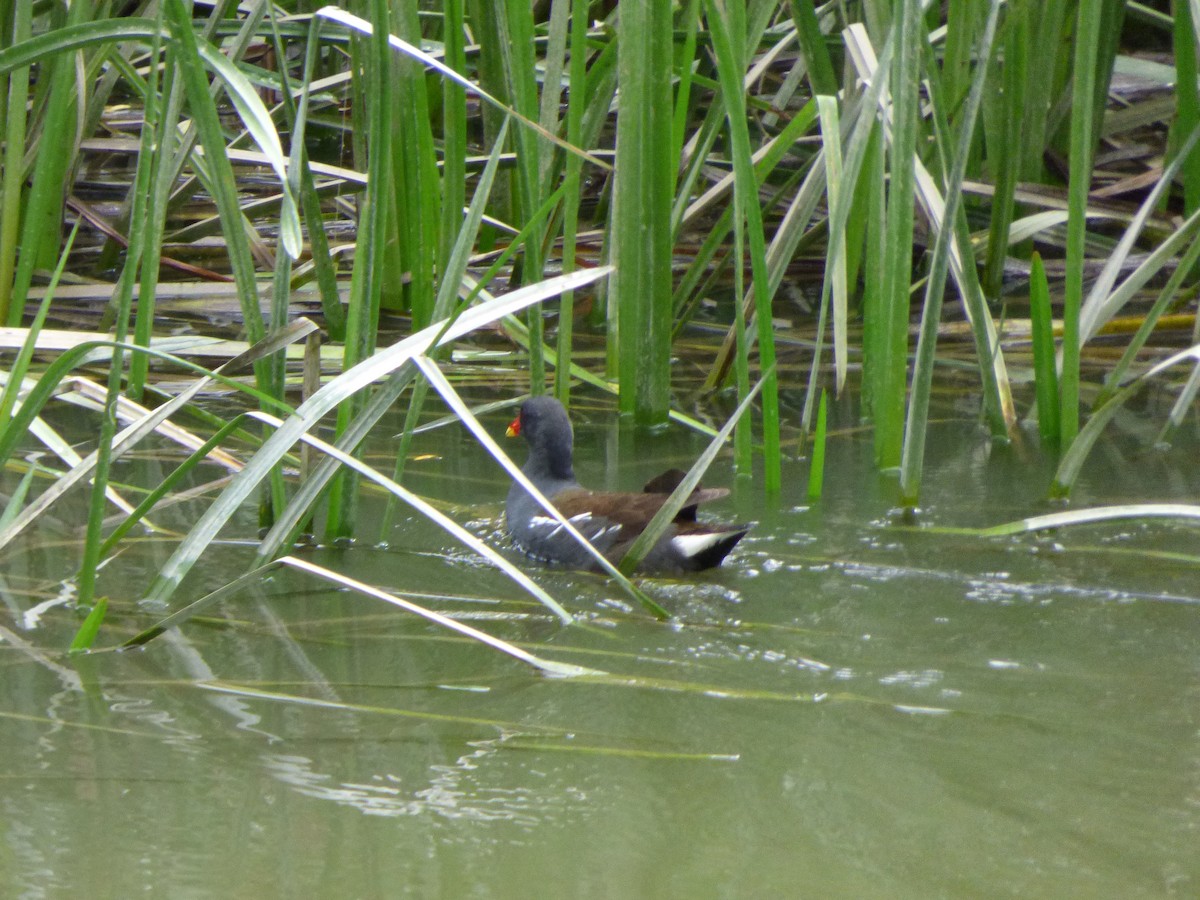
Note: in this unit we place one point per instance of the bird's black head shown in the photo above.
(544, 424)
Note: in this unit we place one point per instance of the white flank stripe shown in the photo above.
(544, 522)
(695, 544)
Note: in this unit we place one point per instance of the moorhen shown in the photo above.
(610, 521)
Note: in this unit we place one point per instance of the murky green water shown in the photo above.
(846, 709)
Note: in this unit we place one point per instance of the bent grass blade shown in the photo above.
(545, 666)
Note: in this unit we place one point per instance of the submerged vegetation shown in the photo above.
(1018, 181)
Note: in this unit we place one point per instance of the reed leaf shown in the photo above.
(454, 133)
(891, 369)
(16, 86)
(835, 289)
(41, 217)
(640, 310)
(74, 36)
(86, 634)
(1182, 405)
(256, 576)
(147, 213)
(576, 102)
(1187, 92)
(222, 182)
(364, 27)
(372, 264)
(1045, 373)
(134, 433)
(1149, 321)
(1084, 120)
(816, 55)
(415, 191)
(258, 122)
(1073, 459)
(382, 364)
(1090, 516)
(729, 67)
(666, 514)
(1006, 146)
(916, 423)
(1102, 301)
(816, 464)
(430, 512)
(20, 365)
(160, 491)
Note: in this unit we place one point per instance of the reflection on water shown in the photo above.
(450, 791)
(846, 709)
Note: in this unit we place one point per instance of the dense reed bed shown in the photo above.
(1016, 182)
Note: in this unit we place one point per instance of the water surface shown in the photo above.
(847, 708)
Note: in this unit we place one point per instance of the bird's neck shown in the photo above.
(554, 462)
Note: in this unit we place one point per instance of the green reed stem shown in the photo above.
(1083, 134)
(641, 215)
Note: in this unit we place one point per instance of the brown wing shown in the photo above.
(628, 509)
(666, 483)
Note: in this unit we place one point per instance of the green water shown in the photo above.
(846, 709)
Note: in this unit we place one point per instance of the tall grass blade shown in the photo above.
(41, 218)
(1102, 301)
(20, 366)
(816, 55)
(640, 290)
(257, 575)
(258, 122)
(729, 69)
(576, 102)
(163, 488)
(662, 520)
(916, 423)
(16, 83)
(1152, 318)
(415, 200)
(85, 636)
(835, 290)
(816, 465)
(505, 68)
(1187, 93)
(430, 512)
(364, 27)
(1074, 457)
(1091, 516)
(371, 261)
(1006, 146)
(15, 501)
(303, 185)
(1045, 372)
(37, 398)
(452, 278)
(147, 214)
(221, 180)
(1181, 407)
(998, 402)
(454, 133)
(71, 37)
(787, 236)
(1084, 121)
(872, 302)
(892, 368)
(382, 364)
